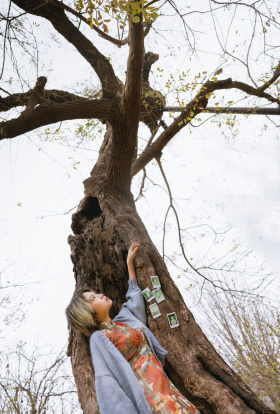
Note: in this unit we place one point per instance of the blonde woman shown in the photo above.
(128, 360)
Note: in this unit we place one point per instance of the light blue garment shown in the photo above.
(117, 388)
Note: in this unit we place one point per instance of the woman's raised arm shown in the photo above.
(131, 254)
(134, 305)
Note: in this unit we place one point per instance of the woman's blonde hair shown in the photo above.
(80, 315)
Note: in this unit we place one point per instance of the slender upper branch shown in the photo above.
(253, 91)
(117, 42)
(274, 77)
(56, 15)
(111, 39)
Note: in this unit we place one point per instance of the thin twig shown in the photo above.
(171, 206)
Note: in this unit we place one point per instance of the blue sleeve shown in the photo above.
(111, 397)
(117, 388)
(134, 304)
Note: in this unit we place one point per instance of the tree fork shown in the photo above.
(59, 20)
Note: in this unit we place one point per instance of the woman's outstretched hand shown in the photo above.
(132, 252)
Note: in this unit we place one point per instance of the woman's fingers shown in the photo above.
(133, 250)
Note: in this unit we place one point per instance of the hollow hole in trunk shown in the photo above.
(88, 210)
(92, 208)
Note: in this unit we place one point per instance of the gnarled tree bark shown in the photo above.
(107, 222)
(104, 226)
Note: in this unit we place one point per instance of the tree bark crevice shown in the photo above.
(234, 382)
(102, 266)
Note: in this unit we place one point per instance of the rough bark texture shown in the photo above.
(104, 231)
(51, 113)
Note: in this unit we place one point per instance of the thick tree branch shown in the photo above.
(133, 84)
(230, 110)
(49, 114)
(110, 83)
(125, 127)
(58, 96)
(21, 99)
(253, 91)
(111, 39)
(196, 106)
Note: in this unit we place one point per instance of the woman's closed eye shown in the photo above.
(94, 296)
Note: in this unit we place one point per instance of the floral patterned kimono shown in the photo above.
(162, 395)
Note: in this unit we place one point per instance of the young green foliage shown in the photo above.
(100, 13)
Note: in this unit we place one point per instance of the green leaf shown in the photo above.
(135, 19)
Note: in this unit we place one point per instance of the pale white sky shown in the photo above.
(216, 180)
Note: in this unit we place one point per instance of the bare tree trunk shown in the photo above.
(104, 228)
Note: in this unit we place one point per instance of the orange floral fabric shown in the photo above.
(162, 395)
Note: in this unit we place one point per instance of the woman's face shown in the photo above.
(99, 303)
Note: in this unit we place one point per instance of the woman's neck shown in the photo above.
(105, 319)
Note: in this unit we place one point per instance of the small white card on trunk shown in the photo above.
(172, 319)
(158, 295)
(155, 310)
(155, 281)
(148, 295)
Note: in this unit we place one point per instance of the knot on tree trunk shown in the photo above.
(35, 95)
(149, 59)
(151, 108)
(152, 101)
